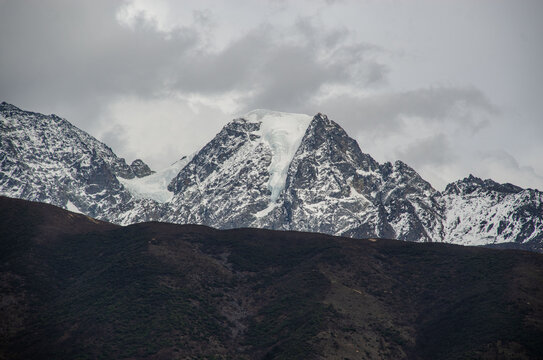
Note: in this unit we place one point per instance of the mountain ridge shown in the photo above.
(272, 170)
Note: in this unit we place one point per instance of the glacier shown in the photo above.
(282, 133)
(155, 186)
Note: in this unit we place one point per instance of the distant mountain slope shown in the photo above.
(45, 158)
(479, 212)
(73, 287)
(266, 169)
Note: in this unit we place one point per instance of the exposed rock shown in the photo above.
(140, 169)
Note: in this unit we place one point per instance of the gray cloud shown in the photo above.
(369, 65)
(385, 114)
(76, 54)
(280, 74)
(433, 150)
(82, 56)
(502, 166)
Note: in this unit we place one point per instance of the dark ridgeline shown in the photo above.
(77, 288)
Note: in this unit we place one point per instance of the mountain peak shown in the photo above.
(323, 117)
(7, 106)
(472, 183)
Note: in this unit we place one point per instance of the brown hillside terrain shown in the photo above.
(76, 288)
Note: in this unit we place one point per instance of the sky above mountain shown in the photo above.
(450, 87)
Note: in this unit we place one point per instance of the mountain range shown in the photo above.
(267, 170)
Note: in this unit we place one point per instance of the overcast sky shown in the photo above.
(450, 87)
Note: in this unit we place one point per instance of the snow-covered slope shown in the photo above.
(265, 169)
(45, 158)
(481, 212)
(155, 185)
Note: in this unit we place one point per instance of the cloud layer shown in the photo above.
(157, 79)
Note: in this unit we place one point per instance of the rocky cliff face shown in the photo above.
(325, 189)
(336, 188)
(225, 183)
(140, 169)
(268, 170)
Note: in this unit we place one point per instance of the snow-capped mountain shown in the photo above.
(265, 169)
(45, 158)
(478, 212)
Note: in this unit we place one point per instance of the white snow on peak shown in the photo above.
(283, 133)
(70, 206)
(155, 186)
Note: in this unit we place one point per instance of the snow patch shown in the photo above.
(155, 186)
(283, 133)
(366, 173)
(70, 206)
(266, 211)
